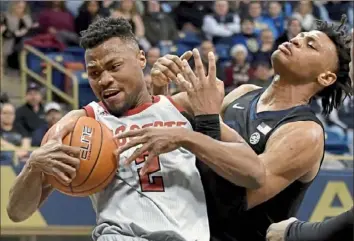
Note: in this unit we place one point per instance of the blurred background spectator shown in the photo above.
(222, 23)
(160, 28)
(237, 73)
(152, 56)
(55, 19)
(88, 11)
(261, 74)
(11, 137)
(30, 115)
(17, 23)
(247, 37)
(304, 13)
(53, 113)
(189, 15)
(293, 29)
(261, 21)
(127, 10)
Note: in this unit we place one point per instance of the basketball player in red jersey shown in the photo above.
(276, 126)
(177, 211)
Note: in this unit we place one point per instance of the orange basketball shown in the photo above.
(98, 165)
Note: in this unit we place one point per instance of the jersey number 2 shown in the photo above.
(156, 182)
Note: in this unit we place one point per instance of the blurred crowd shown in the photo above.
(242, 34)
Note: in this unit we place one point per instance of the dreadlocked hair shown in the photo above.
(333, 95)
(103, 29)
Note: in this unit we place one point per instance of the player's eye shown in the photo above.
(94, 74)
(115, 66)
(310, 44)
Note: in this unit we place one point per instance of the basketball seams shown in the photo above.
(84, 193)
(97, 157)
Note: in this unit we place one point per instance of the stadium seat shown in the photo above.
(61, 58)
(179, 49)
(190, 39)
(86, 94)
(223, 51)
(77, 53)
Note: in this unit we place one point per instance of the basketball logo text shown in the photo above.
(85, 148)
(122, 128)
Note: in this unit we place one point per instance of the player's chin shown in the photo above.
(279, 59)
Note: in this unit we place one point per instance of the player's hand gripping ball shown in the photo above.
(98, 164)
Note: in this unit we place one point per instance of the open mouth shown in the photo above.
(110, 93)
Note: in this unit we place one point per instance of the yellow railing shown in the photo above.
(47, 80)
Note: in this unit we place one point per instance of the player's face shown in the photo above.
(115, 73)
(306, 57)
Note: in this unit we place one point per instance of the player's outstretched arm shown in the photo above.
(30, 188)
(336, 228)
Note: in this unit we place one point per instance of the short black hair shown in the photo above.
(105, 28)
(333, 95)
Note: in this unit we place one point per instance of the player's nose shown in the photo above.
(106, 79)
(296, 42)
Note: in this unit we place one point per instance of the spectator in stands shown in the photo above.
(189, 15)
(53, 113)
(266, 47)
(30, 116)
(58, 21)
(17, 23)
(275, 13)
(304, 13)
(206, 47)
(87, 13)
(336, 9)
(11, 137)
(127, 10)
(221, 24)
(74, 7)
(262, 74)
(107, 7)
(151, 57)
(293, 29)
(261, 22)
(247, 37)
(237, 73)
(160, 28)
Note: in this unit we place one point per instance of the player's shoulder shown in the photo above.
(304, 132)
(237, 93)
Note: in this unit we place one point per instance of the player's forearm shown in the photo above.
(25, 195)
(235, 161)
(336, 228)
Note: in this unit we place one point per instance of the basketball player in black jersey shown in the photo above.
(336, 228)
(276, 124)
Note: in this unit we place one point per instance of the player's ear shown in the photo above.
(142, 58)
(327, 78)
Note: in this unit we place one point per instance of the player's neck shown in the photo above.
(281, 95)
(144, 98)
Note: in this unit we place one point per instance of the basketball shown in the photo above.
(97, 162)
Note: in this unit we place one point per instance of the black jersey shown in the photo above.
(226, 202)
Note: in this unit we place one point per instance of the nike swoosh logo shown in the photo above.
(236, 106)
